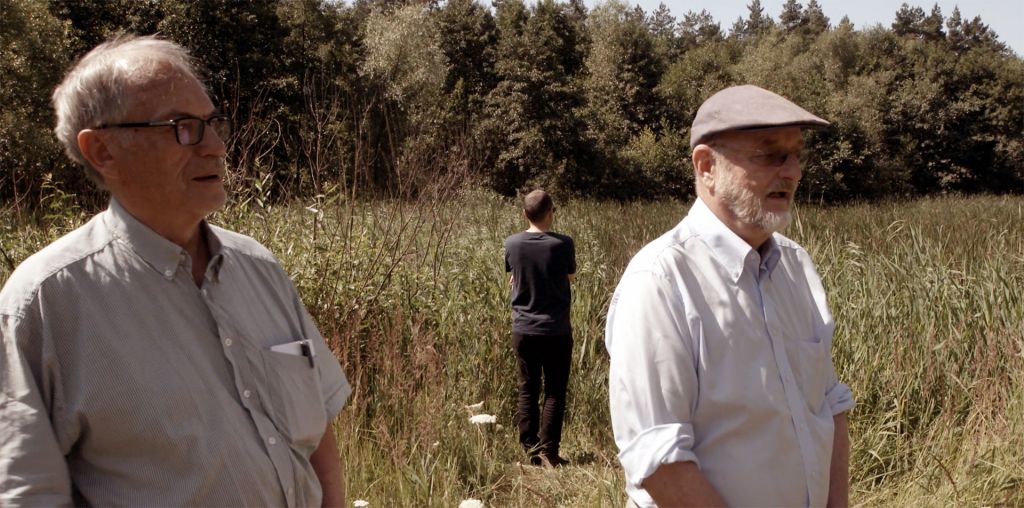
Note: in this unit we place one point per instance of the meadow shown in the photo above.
(928, 296)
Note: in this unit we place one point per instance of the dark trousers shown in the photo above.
(547, 356)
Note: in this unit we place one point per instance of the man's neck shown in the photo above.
(753, 235)
(185, 233)
(534, 228)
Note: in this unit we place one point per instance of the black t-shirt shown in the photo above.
(540, 264)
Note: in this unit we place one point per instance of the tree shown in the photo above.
(978, 35)
(623, 70)
(966, 35)
(931, 26)
(908, 21)
(845, 24)
(531, 134)
(469, 39)
(33, 57)
(662, 26)
(93, 22)
(792, 16)
(699, 28)
(815, 21)
(955, 35)
(757, 22)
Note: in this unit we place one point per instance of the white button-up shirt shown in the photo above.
(720, 355)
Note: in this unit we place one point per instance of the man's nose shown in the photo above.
(791, 168)
(212, 144)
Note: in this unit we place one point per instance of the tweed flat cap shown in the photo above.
(747, 107)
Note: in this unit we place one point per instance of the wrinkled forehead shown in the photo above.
(158, 88)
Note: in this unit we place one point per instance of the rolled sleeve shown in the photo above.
(840, 398)
(652, 378)
(661, 444)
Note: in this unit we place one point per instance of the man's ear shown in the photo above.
(95, 149)
(704, 165)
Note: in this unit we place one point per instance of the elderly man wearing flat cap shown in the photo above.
(722, 387)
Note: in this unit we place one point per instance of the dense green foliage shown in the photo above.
(380, 96)
(928, 298)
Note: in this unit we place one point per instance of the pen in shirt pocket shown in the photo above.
(307, 351)
(302, 347)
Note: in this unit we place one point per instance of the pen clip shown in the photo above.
(307, 351)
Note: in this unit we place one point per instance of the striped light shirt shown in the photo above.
(122, 383)
(720, 355)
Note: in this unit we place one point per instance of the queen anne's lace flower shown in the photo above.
(482, 419)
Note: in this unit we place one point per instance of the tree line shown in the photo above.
(383, 96)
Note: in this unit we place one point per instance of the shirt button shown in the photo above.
(246, 393)
(168, 273)
(228, 342)
(203, 291)
(272, 441)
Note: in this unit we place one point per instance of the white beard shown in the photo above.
(747, 207)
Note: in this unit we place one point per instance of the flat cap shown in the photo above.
(747, 107)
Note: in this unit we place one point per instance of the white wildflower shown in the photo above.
(359, 503)
(482, 419)
(471, 503)
(475, 407)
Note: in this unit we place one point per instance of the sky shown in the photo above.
(1005, 17)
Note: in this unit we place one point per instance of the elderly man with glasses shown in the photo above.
(722, 387)
(149, 358)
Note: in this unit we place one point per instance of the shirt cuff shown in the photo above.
(661, 444)
(840, 398)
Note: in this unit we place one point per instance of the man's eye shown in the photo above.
(771, 159)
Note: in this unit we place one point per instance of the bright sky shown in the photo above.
(1005, 17)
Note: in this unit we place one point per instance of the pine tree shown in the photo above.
(954, 31)
(814, 19)
(931, 25)
(699, 28)
(908, 21)
(757, 21)
(792, 16)
(662, 26)
(845, 24)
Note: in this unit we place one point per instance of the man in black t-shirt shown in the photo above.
(542, 264)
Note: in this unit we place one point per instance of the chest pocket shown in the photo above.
(809, 361)
(296, 404)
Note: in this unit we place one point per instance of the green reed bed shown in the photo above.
(928, 297)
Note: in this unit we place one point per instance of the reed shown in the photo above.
(928, 297)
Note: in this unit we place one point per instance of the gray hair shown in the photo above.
(96, 89)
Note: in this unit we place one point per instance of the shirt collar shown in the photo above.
(729, 249)
(159, 253)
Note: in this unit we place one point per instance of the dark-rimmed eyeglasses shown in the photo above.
(188, 130)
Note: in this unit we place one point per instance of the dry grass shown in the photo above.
(928, 296)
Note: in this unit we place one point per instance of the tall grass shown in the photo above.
(928, 296)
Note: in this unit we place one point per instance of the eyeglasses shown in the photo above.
(188, 130)
(773, 159)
